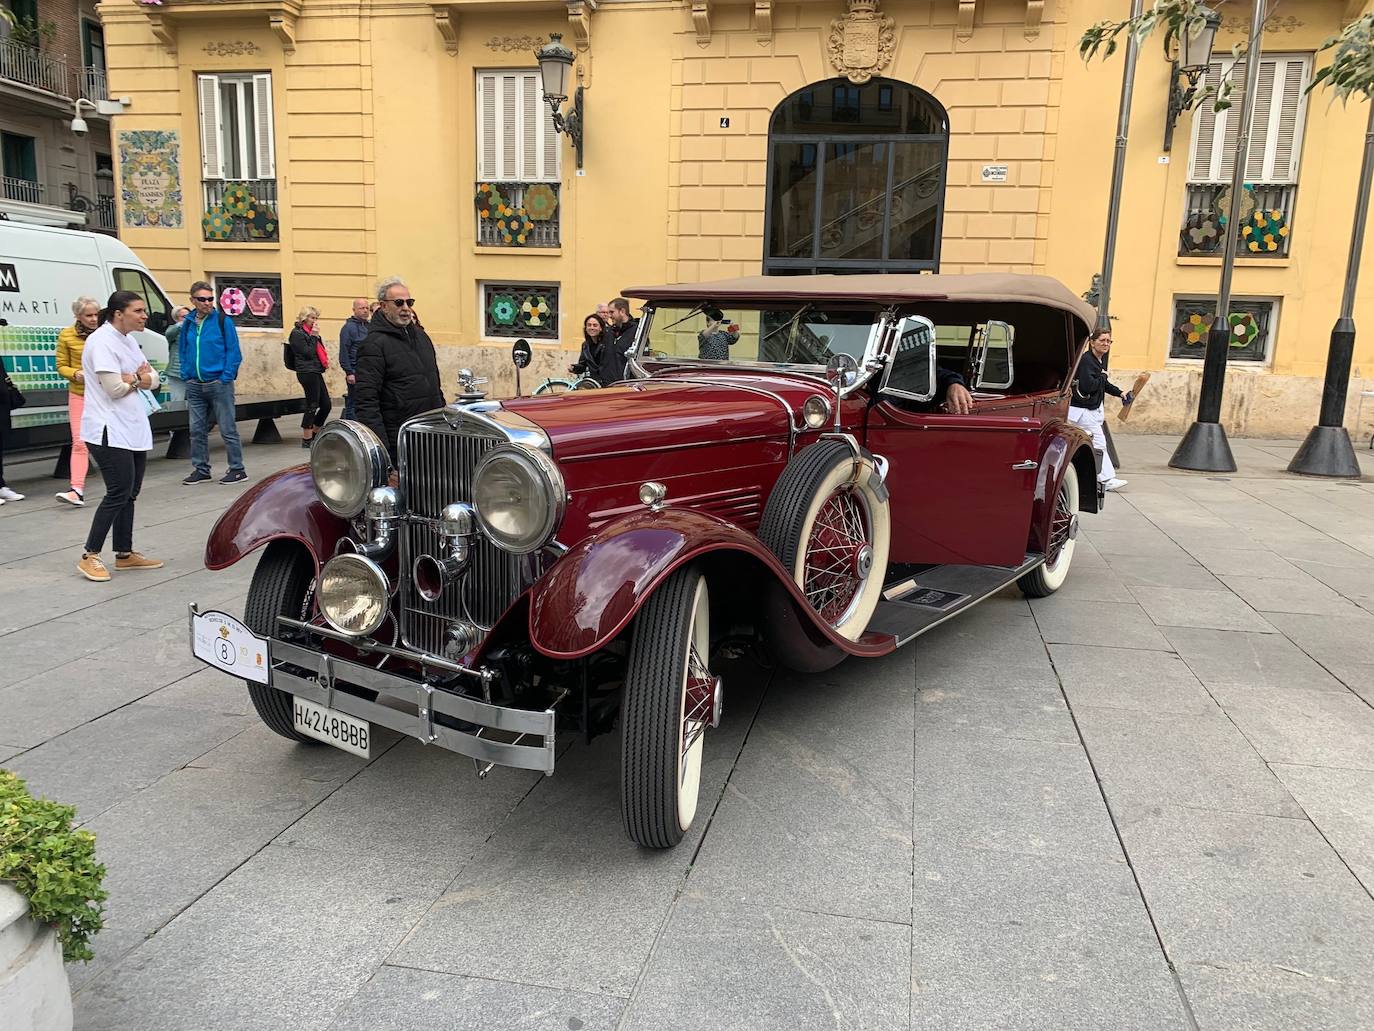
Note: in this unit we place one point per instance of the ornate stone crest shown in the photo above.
(861, 43)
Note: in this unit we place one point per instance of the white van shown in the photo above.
(42, 271)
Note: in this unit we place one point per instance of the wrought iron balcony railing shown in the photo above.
(22, 63)
(501, 223)
(94, 85)
(13, 188)
(242, 210)
(1265, 226)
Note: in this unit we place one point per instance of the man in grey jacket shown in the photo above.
(354, 332)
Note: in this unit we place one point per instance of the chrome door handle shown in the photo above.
(1027, 464)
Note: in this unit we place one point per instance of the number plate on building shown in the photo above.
(332, 727)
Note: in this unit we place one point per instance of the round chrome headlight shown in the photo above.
(815, 411)
(352, 593)
(347, 461)
(518, 497)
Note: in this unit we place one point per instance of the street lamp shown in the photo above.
(555, 70)
(1193, 59)
(1204, 447)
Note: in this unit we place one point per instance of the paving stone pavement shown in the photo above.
(1146, 802)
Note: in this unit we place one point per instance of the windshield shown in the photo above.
(798, 335)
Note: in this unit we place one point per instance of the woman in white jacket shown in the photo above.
(115, 427)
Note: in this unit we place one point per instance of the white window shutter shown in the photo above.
(1292, 103)
(262, 131)
(551, 151)
(211, 155)
(528, 165)
(1259, 125)
(509, 127)
(487, 139)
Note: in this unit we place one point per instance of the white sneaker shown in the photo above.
(1114, 484)
(10, 495)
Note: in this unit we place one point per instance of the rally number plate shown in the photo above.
(332, 727)
(220, 640)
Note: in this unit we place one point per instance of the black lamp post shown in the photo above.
(1204, 448)
(1327, 451)
(1194, 57)
(555, 71)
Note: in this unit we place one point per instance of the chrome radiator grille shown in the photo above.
(437, 466)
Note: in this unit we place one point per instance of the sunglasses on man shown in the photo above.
(205, 299)
(403, 302)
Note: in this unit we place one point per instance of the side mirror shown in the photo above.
(841, 372)
(157, 321)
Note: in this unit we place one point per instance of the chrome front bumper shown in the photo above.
(306, 673)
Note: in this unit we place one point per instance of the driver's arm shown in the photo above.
(952, 393)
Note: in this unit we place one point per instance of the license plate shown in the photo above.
(332, 727)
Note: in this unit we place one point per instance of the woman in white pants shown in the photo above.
(1090, 386)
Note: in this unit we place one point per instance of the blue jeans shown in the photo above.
(200, 399)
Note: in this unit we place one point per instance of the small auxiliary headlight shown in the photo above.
(815, 411)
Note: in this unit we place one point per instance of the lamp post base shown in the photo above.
(1327, 451)
(1204, 449)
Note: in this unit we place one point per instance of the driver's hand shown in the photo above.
(958, 401)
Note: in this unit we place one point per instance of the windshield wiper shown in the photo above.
(695, 311)
(790, 326)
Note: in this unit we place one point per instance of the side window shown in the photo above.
(994, 356)
(159, 308)
(911, 373)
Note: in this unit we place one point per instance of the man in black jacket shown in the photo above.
(1090, 384)
(396, 371)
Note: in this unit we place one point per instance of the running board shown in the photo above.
(913, 604)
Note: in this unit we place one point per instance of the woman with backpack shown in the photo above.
(309, 359)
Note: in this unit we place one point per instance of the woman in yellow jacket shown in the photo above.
(70, 343)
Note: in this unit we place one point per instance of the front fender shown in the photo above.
(1066, 443)
(281, 507)
(593, 591)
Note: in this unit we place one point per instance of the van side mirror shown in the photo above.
(157, 321)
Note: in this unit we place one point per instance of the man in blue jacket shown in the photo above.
(208, 346)
(354, 332)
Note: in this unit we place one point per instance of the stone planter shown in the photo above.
(34, 994)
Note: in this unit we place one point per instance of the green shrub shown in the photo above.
(51, 865)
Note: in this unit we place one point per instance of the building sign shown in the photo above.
(994, 173)
(150, 178)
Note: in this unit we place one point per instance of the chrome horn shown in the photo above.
(380, 513)
(432, 574)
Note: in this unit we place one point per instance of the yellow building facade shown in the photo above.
(324, 145)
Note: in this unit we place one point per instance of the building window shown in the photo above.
(1252, 327)
(254, 300)
(93, 83)
(856, 180)
(1271, 168)
(19, 168)
(519, 163)
(512, 310)
(237, 157)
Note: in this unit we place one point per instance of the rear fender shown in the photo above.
(282, 507)
(593, 591)
(1065, 443)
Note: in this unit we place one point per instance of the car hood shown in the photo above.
(667, 412)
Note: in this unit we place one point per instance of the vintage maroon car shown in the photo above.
(779, 460)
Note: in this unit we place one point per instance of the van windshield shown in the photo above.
(807, 335)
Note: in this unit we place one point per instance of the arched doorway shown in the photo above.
(856, 179)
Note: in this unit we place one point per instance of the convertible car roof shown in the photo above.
(880, 289)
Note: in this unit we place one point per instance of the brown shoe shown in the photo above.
(92, 568)
(134, 560)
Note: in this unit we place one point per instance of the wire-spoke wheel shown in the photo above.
(563, 386)
(1045, 579)
(831, 531)
(670, 699)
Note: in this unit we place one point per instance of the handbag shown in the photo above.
(150, 402)
(14, 397)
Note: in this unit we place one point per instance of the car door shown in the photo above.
(960, 486)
